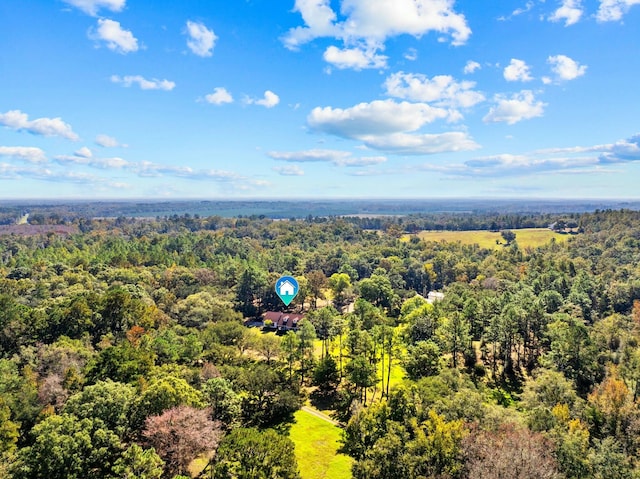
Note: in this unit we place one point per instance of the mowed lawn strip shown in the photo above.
(317, 444)
(526, 238)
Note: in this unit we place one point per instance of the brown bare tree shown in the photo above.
(180, 434)
(512, 452)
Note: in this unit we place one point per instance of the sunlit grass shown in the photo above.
(316, 448)
(526, 238)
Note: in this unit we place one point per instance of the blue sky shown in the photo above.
(318, 98)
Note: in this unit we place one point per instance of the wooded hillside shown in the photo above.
(124, 351)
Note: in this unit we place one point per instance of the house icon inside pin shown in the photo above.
(285, 288)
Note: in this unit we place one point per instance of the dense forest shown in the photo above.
(125, 350)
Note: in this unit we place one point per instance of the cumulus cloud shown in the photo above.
(269, 100)
(107, 141)
(371, 23)
(441, 90)
(355, 58)
(29, 154)
(517, 70)
(318, 18)
(614, 10)
(335, 157)
(566, 68)
(471, 67)
(375, 118)
(91, 7)
(518, 107)
(389, 126)
(219, 96)
(290, 170)
(115, 37)
(570, 11)
(201, 40)
(19, 121)
(143, 83)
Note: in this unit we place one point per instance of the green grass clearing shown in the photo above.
(526, 238)
(316, 448)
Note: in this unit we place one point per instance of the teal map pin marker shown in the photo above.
(287, 289)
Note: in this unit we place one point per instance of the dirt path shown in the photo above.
(321, 415)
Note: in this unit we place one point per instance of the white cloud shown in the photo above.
(568, 160)
(107, 141)
(411, 54)
(269, 100)
(516, 165)
(381, 19)
(201, 40)
(517, 70)
(94, 183)
(16, 120)
(421, 144)
(388, 125)
(143, 83)
(362, 161)
(442, 90)
(25, 153)
(115, 37)
(614, 10)
(84, 152)
(290, 170)
(310, 156)
(521, 106)
(81, 158)
(355, 58)
(319, 21)
(219, 96)
(335, 157)
(570, 11)
(149, 169)
(623, 150)
(379, 117)
(471, 67)
(91, 7)
(566, 68)
(519, 11)
(371, 23)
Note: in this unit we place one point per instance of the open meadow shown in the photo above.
(317, 442)
(526, 238)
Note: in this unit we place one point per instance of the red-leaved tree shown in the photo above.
(180, 434)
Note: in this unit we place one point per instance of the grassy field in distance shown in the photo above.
(317, 443)
(526, 238)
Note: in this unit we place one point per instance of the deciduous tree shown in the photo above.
(180, 434)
